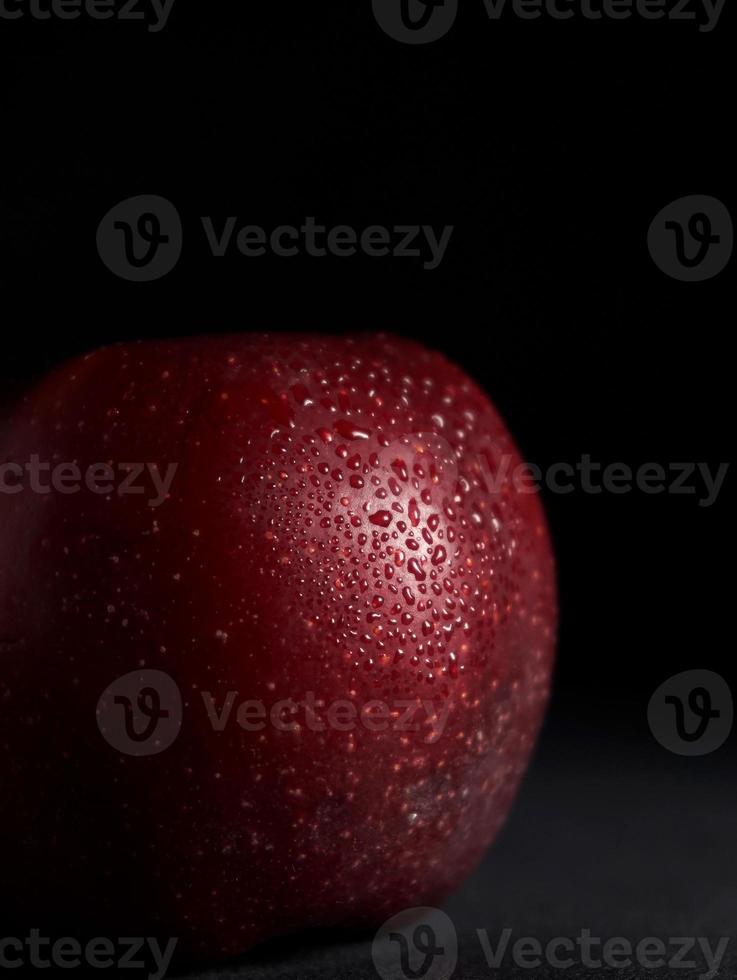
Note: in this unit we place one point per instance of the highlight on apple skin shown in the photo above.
(322, 577)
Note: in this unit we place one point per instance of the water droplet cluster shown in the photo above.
(371, 499)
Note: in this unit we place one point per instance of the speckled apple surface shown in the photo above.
(333, 530)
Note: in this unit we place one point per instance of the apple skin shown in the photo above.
(264, 574)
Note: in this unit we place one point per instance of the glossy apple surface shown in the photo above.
(342, 526)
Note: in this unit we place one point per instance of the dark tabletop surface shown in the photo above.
(611, 834)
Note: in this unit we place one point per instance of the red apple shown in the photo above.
(341, 526)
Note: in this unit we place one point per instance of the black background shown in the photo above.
(550, 146)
